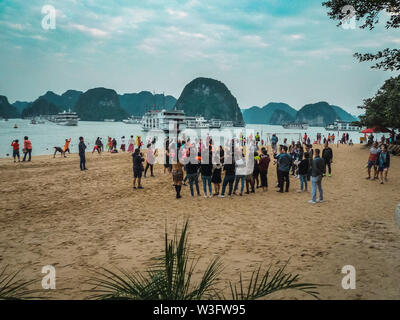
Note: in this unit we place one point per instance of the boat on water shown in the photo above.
(159, 120)
(197, 123)
(37, 120)
(294, 125)
(342, 126)
(109, 120)
(133, 120)
(66, 118)
(15, 126)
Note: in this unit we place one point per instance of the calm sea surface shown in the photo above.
(46, 136)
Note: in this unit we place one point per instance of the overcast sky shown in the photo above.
(264, 51)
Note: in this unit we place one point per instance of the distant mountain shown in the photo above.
(343, 115)
(40, 107)
(211, 99)
(98, 104)
(274, 113)
(7, 110)
(317, 114)
(138, 103)
(21, 105)
(66, 101)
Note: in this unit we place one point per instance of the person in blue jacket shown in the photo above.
(284, 162)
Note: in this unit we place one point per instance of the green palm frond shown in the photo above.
(12, 288)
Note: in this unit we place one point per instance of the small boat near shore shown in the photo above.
(342, 126)
(294, 125)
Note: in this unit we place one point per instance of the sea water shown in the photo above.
(48, 135)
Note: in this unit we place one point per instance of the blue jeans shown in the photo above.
(230, 180)
(317, 183)
(237, 178)
(206, 181)
(303, 181)
(193, 179)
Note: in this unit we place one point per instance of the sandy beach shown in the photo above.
(51, 213)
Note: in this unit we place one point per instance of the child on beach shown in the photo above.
(66, 146)
(15, 146)
(131, 144)
(123, 144)
(216, 177)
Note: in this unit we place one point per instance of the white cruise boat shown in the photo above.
(159, 120)
(342, 126)
(66, 118)
(133, 120)
(109, 120)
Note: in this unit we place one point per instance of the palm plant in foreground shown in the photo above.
(169, 277)
(12, 288)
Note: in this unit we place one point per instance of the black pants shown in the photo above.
(264, 179)
(328, 164)
(283, 176)
(28, 151)
(148, 165)
(82, 163)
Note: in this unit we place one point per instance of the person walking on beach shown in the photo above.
(137, 160)
(27, 149)
(372, 161)
(15, 146)
(327, 155)
(149, 160)
(310, 152)
(240, 173)
(318, 170)
(82, 157)
(284, 162)
(304, 166)
(383, 163)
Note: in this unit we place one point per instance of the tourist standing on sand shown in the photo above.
(149, 160)
(310, 152)
(123, 144)
(206, 170)
(304, 166)
(372, 160)
(131, 144)
(383, 163)
(27, 149)
(137, 160)
(229, 168)
(15, 146)
(256, 169)
(327, 155)
(216, 178)
(263, 167)
(192, 168)
(284, 163)
(82, 157)
(318, 170)
(274, 142)
(177, 173)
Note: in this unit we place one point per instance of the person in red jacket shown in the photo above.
(15, 146)
(27, 148)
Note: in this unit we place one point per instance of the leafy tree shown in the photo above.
(369, 11)
(384, 108)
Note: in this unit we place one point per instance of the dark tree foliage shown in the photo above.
(384, 108)
(368, 11)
